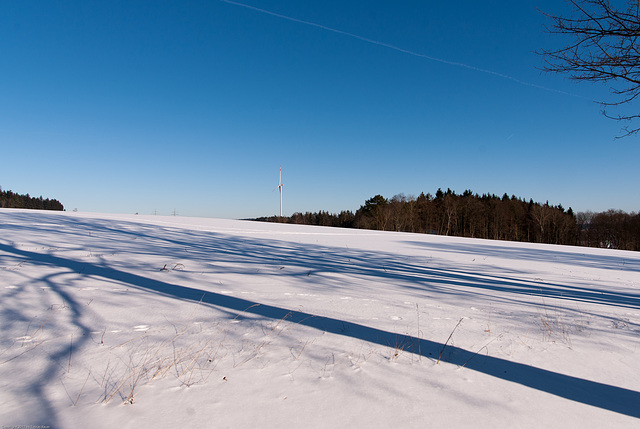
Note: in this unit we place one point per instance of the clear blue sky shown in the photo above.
(132, 106)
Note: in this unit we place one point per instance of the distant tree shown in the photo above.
(401, 212)
(450, 214)
(12, 200)
(486, 216)
(472, 215)
(423, 213)
(374, 213)
(583, 222)
(542, 217)
(346, 219)
(604, 47)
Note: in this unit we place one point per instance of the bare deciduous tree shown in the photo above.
(605, 47)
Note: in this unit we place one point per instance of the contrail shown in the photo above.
(396, 48)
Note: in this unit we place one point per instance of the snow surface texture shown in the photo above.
(142, 321)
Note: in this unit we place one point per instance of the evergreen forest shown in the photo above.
(484, 216)
(12, 200)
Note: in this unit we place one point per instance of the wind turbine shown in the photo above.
(280, 185)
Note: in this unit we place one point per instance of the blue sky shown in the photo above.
(193, 106)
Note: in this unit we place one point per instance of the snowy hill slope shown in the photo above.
(143, 321)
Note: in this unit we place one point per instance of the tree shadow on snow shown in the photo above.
(522, 251)
(212, 246)
(236, 254)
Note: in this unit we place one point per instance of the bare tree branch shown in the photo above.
(605, 48)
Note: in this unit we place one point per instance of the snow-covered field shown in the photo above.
(142, 321)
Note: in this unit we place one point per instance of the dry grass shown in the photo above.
(557, 327)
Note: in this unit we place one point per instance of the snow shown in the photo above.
(144, 321)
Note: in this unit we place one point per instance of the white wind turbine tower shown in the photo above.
(280, 185)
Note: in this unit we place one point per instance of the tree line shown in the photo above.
(12, 200)
(483, 216)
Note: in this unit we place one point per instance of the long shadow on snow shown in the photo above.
(522, 251)
(215, 247)
(612, 398)
(44, 412)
